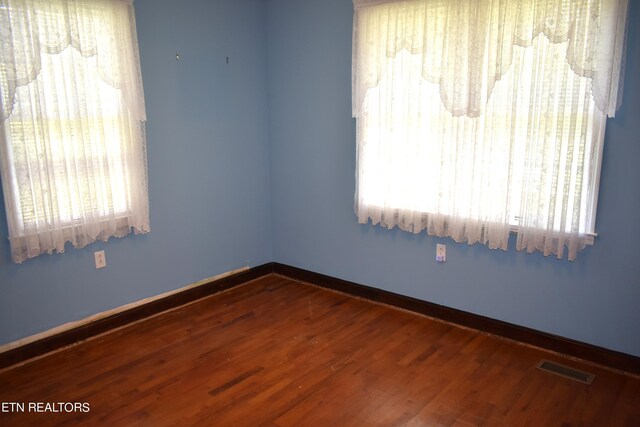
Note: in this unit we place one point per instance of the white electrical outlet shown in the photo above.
(441, 252)
(101, 260)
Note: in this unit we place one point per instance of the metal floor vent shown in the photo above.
(566, 371)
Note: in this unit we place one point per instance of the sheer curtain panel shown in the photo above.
(72, 124)
(476, 118)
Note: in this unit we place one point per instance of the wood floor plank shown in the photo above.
(276, 352)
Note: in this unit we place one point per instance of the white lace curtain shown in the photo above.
(72, 118)
(477, 117)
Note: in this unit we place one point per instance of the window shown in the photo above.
(72, 138)
(475, 119)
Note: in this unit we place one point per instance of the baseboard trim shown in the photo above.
(47, 344)
(572, 348)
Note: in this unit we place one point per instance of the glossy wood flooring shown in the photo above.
(279, 353)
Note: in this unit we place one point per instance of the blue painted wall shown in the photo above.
(594, 299)
(208, 167)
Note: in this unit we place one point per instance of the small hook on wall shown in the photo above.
(177, 56)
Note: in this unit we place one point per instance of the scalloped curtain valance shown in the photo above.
(32, 28)
(476, 40)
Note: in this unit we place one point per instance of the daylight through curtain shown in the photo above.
(475, 118)
(72, 118)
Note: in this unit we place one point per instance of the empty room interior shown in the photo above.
(272, 282)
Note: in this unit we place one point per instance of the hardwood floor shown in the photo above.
(276, 352)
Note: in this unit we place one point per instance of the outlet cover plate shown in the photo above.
(101, 261)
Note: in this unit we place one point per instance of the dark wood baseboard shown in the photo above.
(588, 352)
(81, 333)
